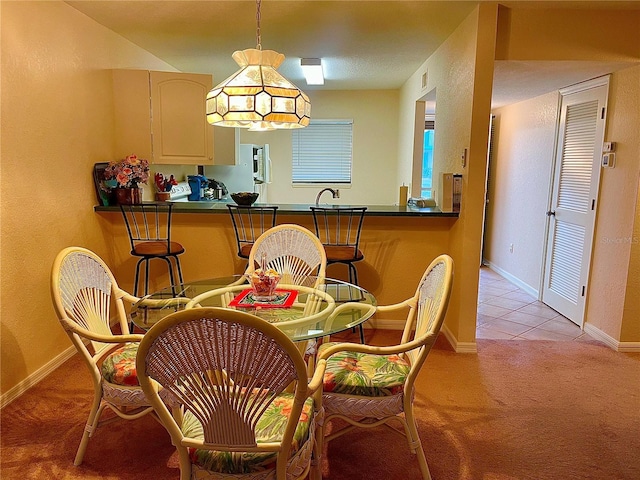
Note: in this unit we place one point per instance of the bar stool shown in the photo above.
(249, 222)
(338, 228)
(149, 228)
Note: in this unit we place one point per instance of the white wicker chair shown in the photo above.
(368, 386)
(82, 290)
(229, 371)
(293, 251)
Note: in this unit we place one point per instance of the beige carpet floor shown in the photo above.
(516, 410)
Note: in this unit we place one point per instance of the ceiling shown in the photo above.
(363, 44)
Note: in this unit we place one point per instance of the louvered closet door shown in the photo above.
(573, 205)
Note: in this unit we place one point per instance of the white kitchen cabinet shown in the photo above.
(161, 116)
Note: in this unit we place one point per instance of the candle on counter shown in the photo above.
(404, 193)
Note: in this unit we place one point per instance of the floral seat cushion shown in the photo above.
(364, 374)
(269, 428)
(120, 366)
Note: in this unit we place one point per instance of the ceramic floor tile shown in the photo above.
(505, 303)
(505, 312)
(492, 310)
(561, 325)
(521, 296)
(484, 296)
(524, 318)
(488, 334)
(481, 319)
(538, 334)
(539, 309)
(505, 326)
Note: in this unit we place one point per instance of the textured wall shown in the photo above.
(614, 304)
(375, 140)
(461, 72)
(519, 185)
(57, 121)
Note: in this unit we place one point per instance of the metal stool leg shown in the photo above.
(353, 279)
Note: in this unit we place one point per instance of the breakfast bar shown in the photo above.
(398, 243)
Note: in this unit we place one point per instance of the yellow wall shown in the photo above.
(461, 72)
(563, 34)
(526, 133)
(614, 304)
(375, 147)
(518, 195)
(57, 121)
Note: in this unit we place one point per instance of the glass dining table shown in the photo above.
(304, 312)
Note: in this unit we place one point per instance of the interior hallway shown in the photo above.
(505, 312)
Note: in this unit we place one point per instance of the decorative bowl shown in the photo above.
(244, 198)
(264, 284)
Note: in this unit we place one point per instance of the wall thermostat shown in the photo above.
(608, 160)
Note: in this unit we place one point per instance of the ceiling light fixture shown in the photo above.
(312, 69)
(257, 97)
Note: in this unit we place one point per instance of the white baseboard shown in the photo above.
(608, 340)
(36, 377)
(459, 347)
(516, 281)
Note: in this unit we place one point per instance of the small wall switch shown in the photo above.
(608, 147)
(609, 160)
(511, 248)
(464, 158)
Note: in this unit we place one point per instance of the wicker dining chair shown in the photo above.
(83, 289)
(368, 386)
(247, 407)
(293, 251)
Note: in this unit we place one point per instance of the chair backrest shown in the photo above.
(249, 223)
(225, 367)
(83, 289)
(428, 309)
(291, 250)
(339, 226)
(148, 222)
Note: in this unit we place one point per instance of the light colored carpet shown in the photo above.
(516, 410)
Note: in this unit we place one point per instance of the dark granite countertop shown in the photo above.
(302, 209)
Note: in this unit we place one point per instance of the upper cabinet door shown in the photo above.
(180, 132)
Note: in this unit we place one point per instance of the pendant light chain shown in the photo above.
(258, 35)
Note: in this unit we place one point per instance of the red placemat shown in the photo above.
(284, 299)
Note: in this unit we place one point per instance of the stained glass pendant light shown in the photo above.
(257, 97)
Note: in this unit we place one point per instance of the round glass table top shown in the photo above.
(302, 312)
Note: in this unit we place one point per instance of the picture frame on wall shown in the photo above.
(104, 192)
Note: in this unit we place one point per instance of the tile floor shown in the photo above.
(506, 312)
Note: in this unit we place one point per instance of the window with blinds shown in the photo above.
(322, 152)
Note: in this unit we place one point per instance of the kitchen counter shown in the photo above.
(398, 244)
(303, 209)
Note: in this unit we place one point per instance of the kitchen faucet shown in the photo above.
(335, 193)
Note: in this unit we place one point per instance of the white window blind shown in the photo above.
(322, 152)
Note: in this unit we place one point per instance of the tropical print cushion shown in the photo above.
(270, 428)
(120, 366)
(364, 374)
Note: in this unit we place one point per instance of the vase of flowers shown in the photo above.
(129, 173)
